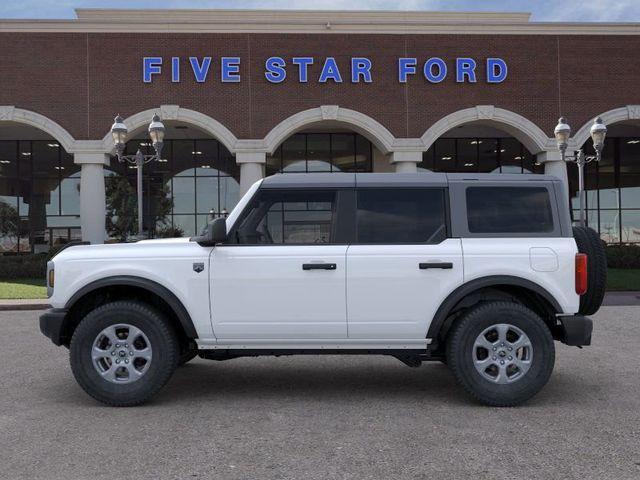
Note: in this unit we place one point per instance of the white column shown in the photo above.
(553, 165)
(251, 168)
(406, 162)
(92, 195)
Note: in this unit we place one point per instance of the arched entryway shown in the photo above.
(39, 184)
(612, 185)
(196, 180)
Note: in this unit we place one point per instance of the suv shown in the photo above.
(480, 271)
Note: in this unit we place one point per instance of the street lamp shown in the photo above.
(119, 133)
(562, 133)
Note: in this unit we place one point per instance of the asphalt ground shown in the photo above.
(322, 418)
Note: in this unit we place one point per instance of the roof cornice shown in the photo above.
(312, 21)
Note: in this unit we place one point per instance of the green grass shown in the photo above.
(618, 279)
(24, 288)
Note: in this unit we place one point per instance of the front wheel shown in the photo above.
(123, 352)
(502, 353)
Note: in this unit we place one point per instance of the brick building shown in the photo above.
(245, 94)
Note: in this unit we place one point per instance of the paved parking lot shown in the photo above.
(322, 417)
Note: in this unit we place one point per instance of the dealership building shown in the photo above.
(247, 94)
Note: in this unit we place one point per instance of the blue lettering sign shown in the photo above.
(330, 71)
(275, 69)
(406, 66)
(434, 69)
(230, 71)
(496, 70)
(200, 71)
(465, 67)
(175, 69)
(428, 70)
(151, 66)
(303, 67)
(360, 67)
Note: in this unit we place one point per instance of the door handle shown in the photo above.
(442, 265)
(319, 266)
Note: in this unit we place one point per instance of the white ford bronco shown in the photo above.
(482, 272)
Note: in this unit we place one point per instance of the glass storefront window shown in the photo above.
(484, 155)
(39, 196)
(195, 179)
(612, 190)
(467, 154)
(322, 152)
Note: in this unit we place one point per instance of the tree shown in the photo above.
(9, 221)
(122, 207)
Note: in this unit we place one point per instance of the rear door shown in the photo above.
(402, 264)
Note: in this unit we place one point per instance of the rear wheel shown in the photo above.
(588, 242)
(123, 352)
(502, 353)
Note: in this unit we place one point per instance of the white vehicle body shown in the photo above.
(376, 297)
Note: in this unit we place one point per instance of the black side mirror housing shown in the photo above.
(214, 233)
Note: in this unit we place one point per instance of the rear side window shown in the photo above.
(509, 210)
(401, 215)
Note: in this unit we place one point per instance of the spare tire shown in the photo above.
(589, 243)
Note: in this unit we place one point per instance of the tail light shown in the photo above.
(581, 273)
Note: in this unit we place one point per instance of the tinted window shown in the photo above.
(288, 217)
(509, 210)
(401, 216)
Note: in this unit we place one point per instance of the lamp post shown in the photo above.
(562, 133)
(119, 133)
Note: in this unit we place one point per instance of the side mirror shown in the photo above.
(218, 229)
(215, 232)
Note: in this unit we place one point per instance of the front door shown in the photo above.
(402, 264)
(282, 275)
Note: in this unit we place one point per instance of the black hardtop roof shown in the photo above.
(420, 179)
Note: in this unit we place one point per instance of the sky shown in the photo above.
(542, 10)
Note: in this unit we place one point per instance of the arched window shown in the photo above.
(196, 180)
(39, 195)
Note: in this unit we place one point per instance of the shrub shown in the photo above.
(23, 266)
(623, 256)
(170, 232)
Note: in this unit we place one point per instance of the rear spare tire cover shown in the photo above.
(588, 242)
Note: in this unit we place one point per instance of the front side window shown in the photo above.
(288, 217)
(401, 215)
(509, 210)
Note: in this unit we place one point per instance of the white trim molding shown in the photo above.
(373, 130)
(9, 113)
(629, 112)
(523, 129)
(177, 113)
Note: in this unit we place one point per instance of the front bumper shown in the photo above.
(52, 324)
(574, 330)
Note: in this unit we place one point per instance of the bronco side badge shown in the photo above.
(198, 267)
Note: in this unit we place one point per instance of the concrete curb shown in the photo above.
(27, 304)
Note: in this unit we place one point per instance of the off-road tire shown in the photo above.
(460, 347)
(161, 336)
(588, 242)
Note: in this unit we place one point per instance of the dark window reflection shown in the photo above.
(195, 181)
(39, 196)
(322, 152)
(484, 155)
(612, 190)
